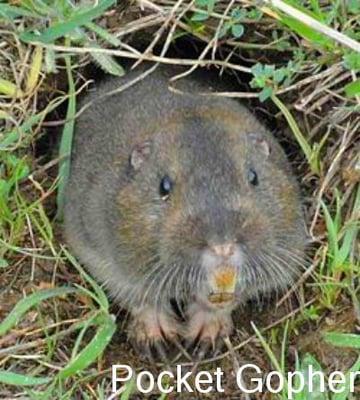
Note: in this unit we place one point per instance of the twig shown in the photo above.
(148, 57)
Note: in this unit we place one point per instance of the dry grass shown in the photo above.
(310, 111)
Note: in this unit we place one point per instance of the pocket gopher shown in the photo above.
(180, 197)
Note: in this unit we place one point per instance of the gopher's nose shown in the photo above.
(223, 250)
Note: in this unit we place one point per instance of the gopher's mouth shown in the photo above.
(221, 298)
(223, 284)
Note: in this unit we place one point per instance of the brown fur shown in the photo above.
(149, 249)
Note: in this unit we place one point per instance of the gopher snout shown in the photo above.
(222, 263)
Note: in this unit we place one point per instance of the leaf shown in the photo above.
(66, 141)
(11, 12)
(10, 89)
(224, 29)
(104, 34)
(107, 62)
(211, 5)
(351, 231)
(61, 29)
(316, 392)
(129, 390)
(255, 14)
(238, 13)
(43, 9)
(344, 395)
(352, 89)
(50, 61)
(306, 32)
(279, 75)
(11, 378)
(201, 3)
(331, 232)
(353, 6)
(352, 61)
(265, 93)
(269, 70)
(200, 16)
(237, 30)
(257, 69)
(3, 263)
(21, 172)
(343, 339)
(35, 69)
(28, 302)
(94, 349)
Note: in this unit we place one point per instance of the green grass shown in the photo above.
(59, 314)
(81, 358)
(307, 360)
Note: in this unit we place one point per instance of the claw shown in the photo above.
(205, 330)
(201, 350)
(150, 332)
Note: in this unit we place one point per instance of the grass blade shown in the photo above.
(100, 296)
(103, 34)
(343, 339)
(302, 18)
(60, 29)
(11, 12)
(35, 69)
(66, 141)
(307, 32)
(332, 233)
(94, 349)
(28, 302)
(298, 134)
(10, 89)
(11, 378)
(130, 389)
(267, 349)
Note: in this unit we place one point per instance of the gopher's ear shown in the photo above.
(261, 143)
(140, 154)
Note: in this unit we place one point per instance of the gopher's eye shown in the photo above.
(166, 186)
(252, 177)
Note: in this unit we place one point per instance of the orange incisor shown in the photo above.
(223, 284)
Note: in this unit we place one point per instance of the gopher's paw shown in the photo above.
(151, 333)
(206, 328)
